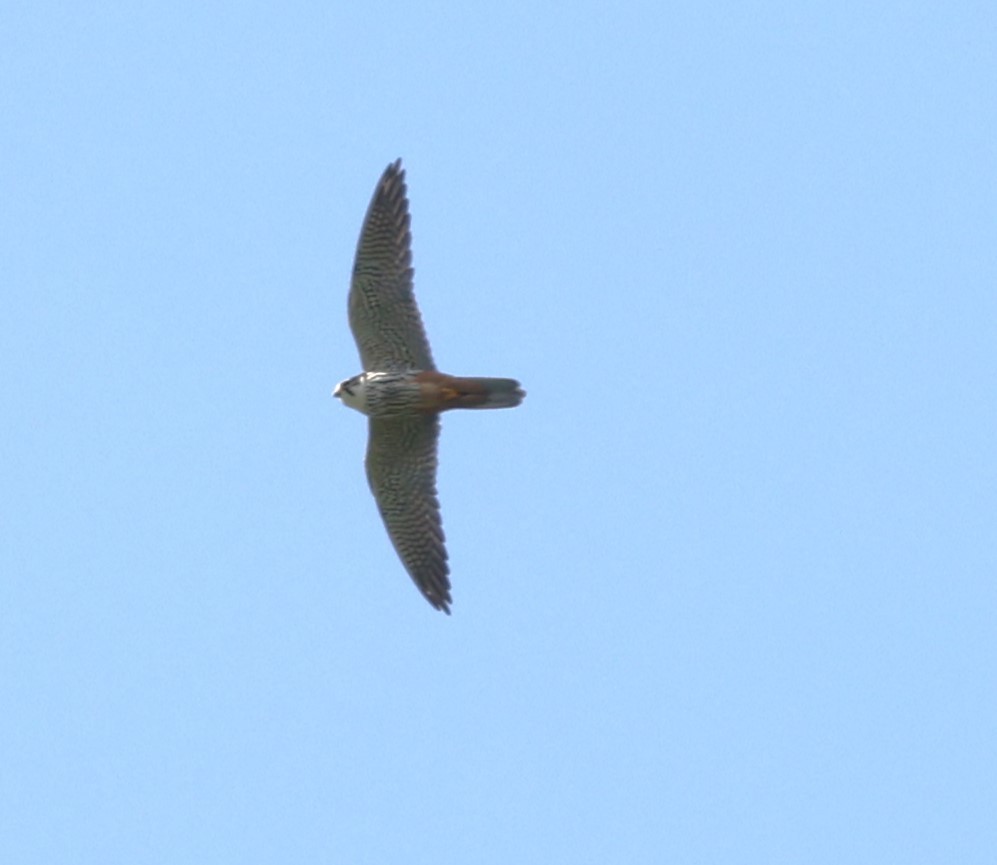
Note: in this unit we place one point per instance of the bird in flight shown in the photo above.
(401, 391)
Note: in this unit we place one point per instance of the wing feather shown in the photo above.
(384, 317)
(401, 471)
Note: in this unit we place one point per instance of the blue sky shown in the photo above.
(724, 584)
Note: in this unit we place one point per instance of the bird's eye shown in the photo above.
(347, 388)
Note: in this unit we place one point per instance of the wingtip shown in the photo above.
(392, 185)
(441, 605)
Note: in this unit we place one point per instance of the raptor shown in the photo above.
(401, 391)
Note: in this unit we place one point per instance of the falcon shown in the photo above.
(401, 391)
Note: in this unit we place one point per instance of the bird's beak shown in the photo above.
(335, 391)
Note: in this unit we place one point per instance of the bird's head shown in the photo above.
(353, 393)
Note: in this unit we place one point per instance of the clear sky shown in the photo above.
(724, 586)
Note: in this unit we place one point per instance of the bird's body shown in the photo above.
(397, 394)
(401, 391)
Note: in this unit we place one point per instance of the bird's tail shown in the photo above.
(482, 392)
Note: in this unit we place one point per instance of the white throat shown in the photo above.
(353, 392)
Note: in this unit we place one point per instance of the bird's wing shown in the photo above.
(401, 470)
(384, 316)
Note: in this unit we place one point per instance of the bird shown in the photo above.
(401, 391)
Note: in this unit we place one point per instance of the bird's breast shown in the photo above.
(391, 394)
